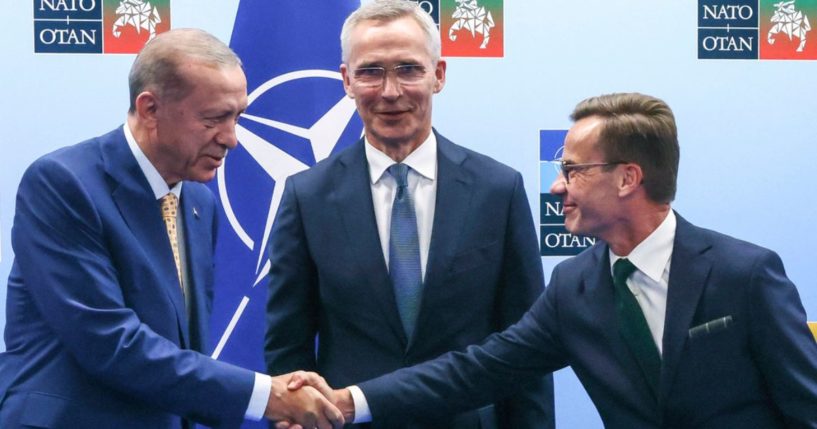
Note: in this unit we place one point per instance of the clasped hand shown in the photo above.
(303, 400)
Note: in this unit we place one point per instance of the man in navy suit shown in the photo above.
(388, 275)
(666, 324)
(112, 283)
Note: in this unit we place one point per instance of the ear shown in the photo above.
(347, 84)
(630, 179)
(439, 76)
(147, 105)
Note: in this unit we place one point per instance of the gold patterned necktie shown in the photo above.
(170, 207)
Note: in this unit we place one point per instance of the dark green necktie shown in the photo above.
(633, 325)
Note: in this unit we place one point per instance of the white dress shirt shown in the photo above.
(650, 281)
(422, 184)
(263, 383)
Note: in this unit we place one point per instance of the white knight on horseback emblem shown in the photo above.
(138, 14)
(789, 21)
(474, 18)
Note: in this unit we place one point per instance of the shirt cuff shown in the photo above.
(362, 412)
(260, 396)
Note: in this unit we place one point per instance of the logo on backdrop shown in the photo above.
(472, 28)
(554, 239)
(97, 26)
(756, 29)
(280, 135)
(432, 7)
(468, 28)
(297, 115)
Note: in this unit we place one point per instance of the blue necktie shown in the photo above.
(633, 325)
(404, 251)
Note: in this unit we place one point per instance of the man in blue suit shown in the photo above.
(112, 283)
(667, 325)
(390, 271)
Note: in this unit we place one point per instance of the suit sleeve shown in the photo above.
(458, 381)
(522, 281)
(62, 251)
(292, 301)
(782, 344)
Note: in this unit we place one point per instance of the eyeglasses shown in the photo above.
(406, 74)
(566, 168)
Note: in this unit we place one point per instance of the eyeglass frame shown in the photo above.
(385, 71)
(564, 168)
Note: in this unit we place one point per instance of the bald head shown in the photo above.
(157, 67)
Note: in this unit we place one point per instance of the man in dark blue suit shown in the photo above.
(390, 270)
(667, 325)
(112, 283)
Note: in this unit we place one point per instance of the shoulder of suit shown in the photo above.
(80, 159)
(480, 163)
(728, 248)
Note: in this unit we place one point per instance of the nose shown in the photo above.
(391, 88)
(559, 186)
(226, 136)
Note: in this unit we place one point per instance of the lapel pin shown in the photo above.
(195, 212)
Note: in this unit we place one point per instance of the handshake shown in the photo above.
(303, 400)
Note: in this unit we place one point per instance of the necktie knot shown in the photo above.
(170, 206)
(400, 174)
(622, 269)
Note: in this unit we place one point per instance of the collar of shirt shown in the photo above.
(652, 255)
(155, 180)
(423, 160)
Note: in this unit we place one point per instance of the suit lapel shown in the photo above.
(451, 208)
(353, 201)
(689, 271)
(141, 211)
(198, 237)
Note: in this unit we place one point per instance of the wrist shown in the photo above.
(345, 404)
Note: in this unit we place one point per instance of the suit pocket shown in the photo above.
(712, 327)
(474, 258)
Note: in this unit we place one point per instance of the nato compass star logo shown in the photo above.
(292, 122)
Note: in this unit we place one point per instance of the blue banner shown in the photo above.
(298, 114)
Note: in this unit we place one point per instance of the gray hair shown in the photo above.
(390, 10)
(156, 68)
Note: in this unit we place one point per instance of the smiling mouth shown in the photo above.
(392, 113)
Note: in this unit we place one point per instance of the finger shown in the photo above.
(296, 380)
(315, 380)
(331, 415)
(323, 423)
(335, 417)
(285, 425)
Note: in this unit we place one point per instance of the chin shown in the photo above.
(574, 229)
(202, 177)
